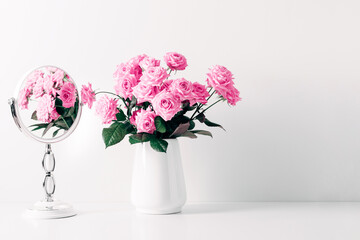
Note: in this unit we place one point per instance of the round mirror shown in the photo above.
(47, 108)
(47, 104)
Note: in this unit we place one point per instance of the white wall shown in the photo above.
(295, 136)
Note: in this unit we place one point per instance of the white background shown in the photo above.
(294, 137)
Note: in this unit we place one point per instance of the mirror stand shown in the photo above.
(49, 207)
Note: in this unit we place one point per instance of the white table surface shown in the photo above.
(290, 221)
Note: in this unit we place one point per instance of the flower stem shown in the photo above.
(108, 93)
(211, 105)
(201, 105)
(210, 94)
(65, 122)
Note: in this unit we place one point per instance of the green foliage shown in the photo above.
(182, 128)
(114, 134)
(159, 145)
(139, 138)
(188, 134)
(202, 132)
(34, 116)
(201, 117)
(160, 124)
(192, 125)
(120, 116)
(56, 132)
(211, 124)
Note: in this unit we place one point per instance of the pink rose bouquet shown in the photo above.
(149, 104)
(55, 99)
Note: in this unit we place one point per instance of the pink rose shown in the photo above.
(50, 69)
(138, 59)
(49, 85)
(68, 95)
(199, 93)
(45, 108)
(106, 108)
(33, 78)
(124, 85)
(38, 90)
(220, 78)
(154, 76)
(133, 117)
(58, 78)
(149, 62)
(232, 95)
(87, 95)
(54, 115)
(182, 88)
(166, 85)
(145, 92)
(127, 68)
(145, 121)
(166, 105)
(175, 61)
(23, 99)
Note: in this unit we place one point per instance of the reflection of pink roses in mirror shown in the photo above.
(45, 108)
(58, 78)
(106, 108)
(68, 95)
(38, 90)
(23, 99)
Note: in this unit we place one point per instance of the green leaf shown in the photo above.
(211, 124)
(180, 129)
(158, 145)
(47, 128)
(60, 111)
(188, 134)
(120, 116)
(56, 132)
(69, 122)
(160, 124)
(58, 102)
(41, 125)
(60, 124)
(202, 132)
(114, 134)
(192, 125)
(131, 105)
(201, 117)
(139, 138)
(34, 116)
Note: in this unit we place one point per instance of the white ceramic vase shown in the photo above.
(158, 185)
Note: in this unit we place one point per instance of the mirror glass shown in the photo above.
(48, 105)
